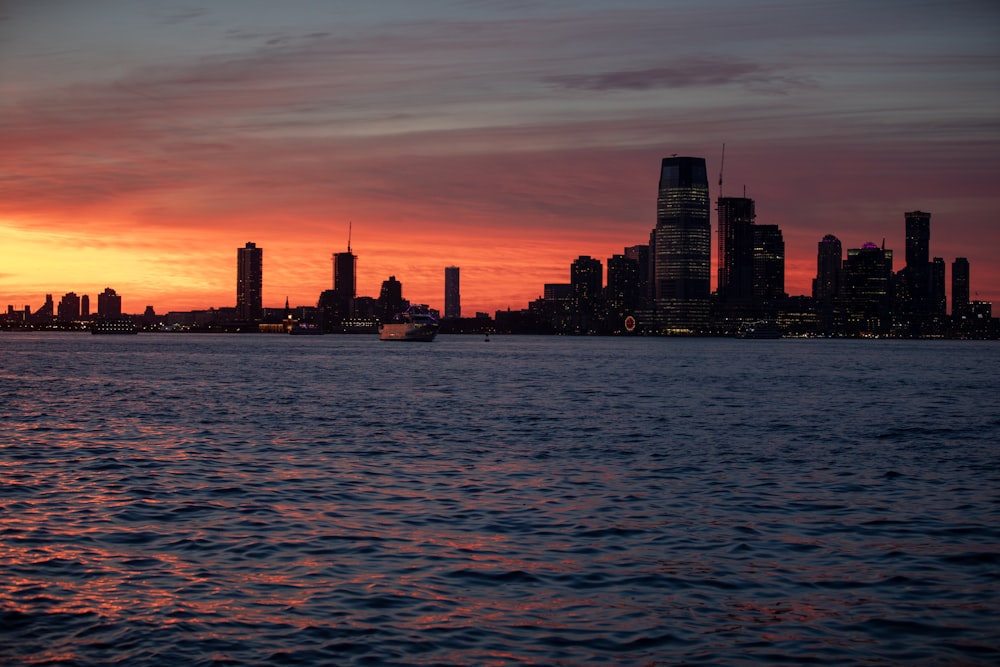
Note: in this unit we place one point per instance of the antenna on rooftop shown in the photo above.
(721, 167)
(349, 224)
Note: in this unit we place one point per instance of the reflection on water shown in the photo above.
(334, 500)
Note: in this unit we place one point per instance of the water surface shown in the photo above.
(247, 499)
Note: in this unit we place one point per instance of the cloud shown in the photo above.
(685, 74)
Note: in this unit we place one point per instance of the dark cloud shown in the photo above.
(685, 74)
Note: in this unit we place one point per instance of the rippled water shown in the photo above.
(219, 500)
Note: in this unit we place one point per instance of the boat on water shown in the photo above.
(412, 325)
(114, 326)
(762, 329)
(305, 329)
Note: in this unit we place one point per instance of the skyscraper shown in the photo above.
(736, 264)
(640, 255)
(917, 276)
(390, 299)
(69, 308)
(249, 282)
(586, 275)
(828, 282)
(960, 288)
(768, 264)
(868, 289)
(938, 302)
(683, 240)
(109, 304)
(624, 290)
(452, 293)
(829, 262)
(345, 289)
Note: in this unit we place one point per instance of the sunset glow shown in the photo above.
(143, 142)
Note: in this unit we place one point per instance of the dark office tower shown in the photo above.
(249, 282)
(867, 290)
(829, 262)
(768, 264)
(640, 255)
(917, 276)
(345, 268)
(736, 259)
(84, 307)
(586, 275)
(69, 308)
(623, 282)
(827, 283)
(452, 293)
(390, 299)
(960, 288)
(109, 304)
(683, 240)
(939, 303)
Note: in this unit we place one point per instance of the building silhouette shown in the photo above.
(69, 308)
(586, 275)
(640, 255)
(249, 282)
(681, 247)
(390, 299)
(623, 294)
(868, 290)
(452, 293)
(768, 266)
(938, 302)
(736, 248)
(345, 268)
(918, 257)
(828, 282)
(960, 304)
(109, 304)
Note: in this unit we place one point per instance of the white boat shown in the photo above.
(413, 325)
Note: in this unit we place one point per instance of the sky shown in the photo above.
(143, 141)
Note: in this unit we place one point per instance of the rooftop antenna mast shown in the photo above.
(349, 224)
(721, 168)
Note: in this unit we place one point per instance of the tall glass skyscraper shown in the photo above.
(249, 282)
(683, 245)
(452, 293)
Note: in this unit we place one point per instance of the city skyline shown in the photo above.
(143, 142)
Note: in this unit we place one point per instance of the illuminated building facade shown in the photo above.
(452, 293)
(682, 243)
(249, 282)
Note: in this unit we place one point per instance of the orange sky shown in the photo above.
(144, 143)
